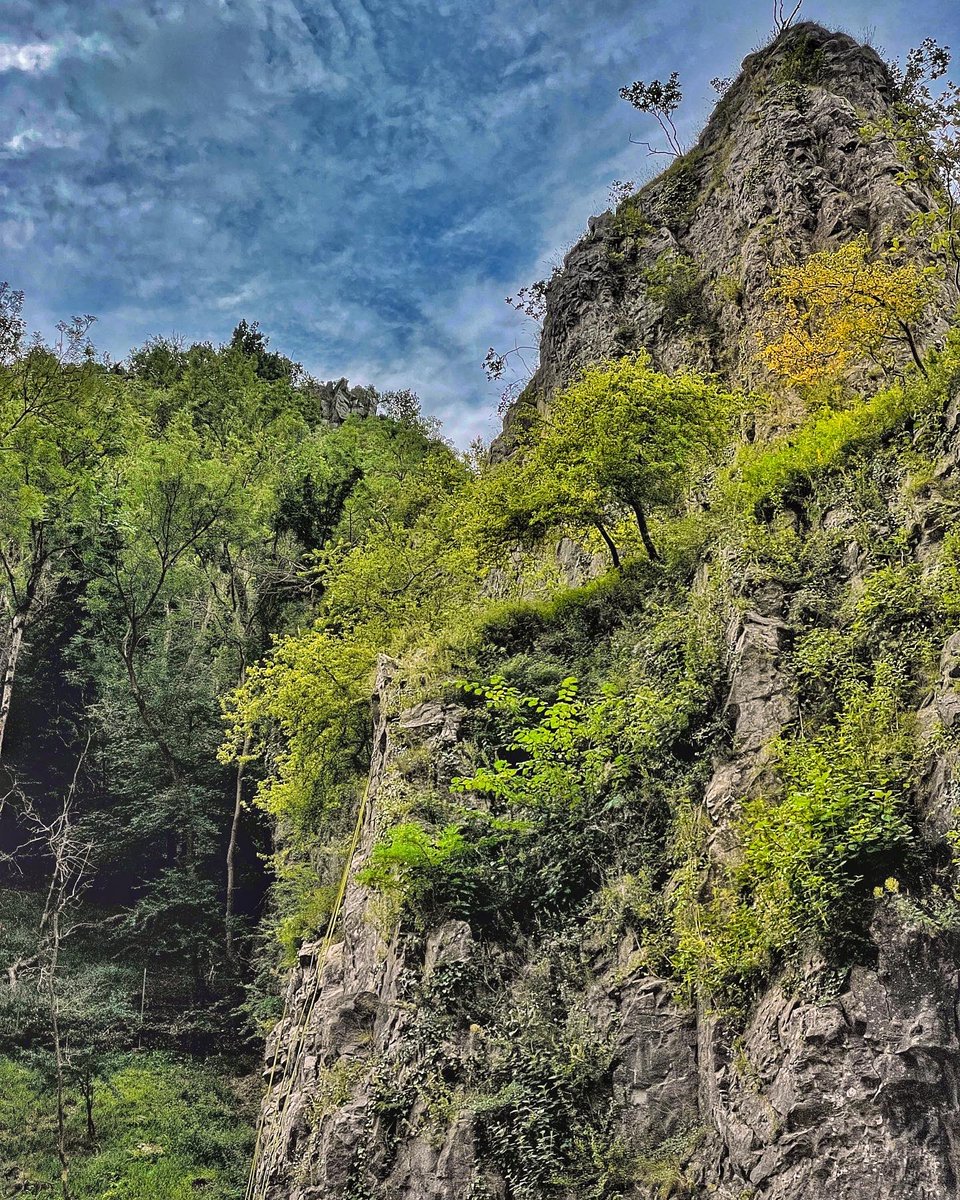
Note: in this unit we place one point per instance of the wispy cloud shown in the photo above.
(28, 56)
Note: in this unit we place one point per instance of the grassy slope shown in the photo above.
(166, 1129)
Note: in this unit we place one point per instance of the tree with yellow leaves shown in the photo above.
(841, 306)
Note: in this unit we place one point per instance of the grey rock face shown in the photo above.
(338, 401)
(782, 169)
(854, 1097)
(347, 1011)
(844, 1086)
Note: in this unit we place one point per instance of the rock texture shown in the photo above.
(852, 1098)
(337, 401)
(843, 1086)
(783, 168)
(348, 1009)
(852, 1093)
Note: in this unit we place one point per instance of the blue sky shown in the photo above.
(369, 180)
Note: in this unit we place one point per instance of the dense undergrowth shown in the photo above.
(165, 1129)
(602, 706)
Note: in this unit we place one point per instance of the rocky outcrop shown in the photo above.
(337, 400)
(793, 160)
(845, 1086)
(853, 1097)
(349, 1008)
(385, 1081)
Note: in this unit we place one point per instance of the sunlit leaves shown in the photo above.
(841, 307)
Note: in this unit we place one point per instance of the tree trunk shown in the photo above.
(611, 545)
(143, 1008)
(232, 851)
(652, 553)
(58, 1058)
(88, 1105)
(912, 343)
(17, 626)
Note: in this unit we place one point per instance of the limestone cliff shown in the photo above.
(394, 1064)
(792, 160)
(851, 1092)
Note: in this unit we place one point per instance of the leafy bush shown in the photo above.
(809, 858)
(545, 1102)
(675, 283)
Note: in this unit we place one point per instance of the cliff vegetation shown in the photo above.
(639, 878)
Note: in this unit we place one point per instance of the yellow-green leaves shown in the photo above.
(840, 308)
(391, 578)
(620, 442)
(806, 856)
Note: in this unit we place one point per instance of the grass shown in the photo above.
(167, 1129)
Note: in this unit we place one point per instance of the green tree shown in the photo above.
(177, 514)
(660, 100)
(392, 574)
(60, 424)
(250, 341)
(926, 128)
(623, 437)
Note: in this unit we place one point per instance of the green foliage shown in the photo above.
(544, 1109)
(661, 1167)
(165, 1132)
(675, 283)
(802, 64)
(302, 903)
(226, 552)
(809, 857)
(392, 573)
(897, 615)
(630, 220)
(769, 473)
(924, 129)
(621, 441)
(546, 814)
(336, 1085)
(408, 851)
(661, 100)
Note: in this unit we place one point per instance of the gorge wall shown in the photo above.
(794, 159)
(390, 1074)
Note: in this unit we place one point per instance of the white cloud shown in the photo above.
(368, 187)
(243, 295)
(16, 235)
(32, 138)
(23, 140)
(29, 56)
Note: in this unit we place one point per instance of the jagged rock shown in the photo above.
(782, 169)
(655, 1076)
(852, 1096)
(345, 1010)
(844, 1085)
(337, 401)
(938, 719)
